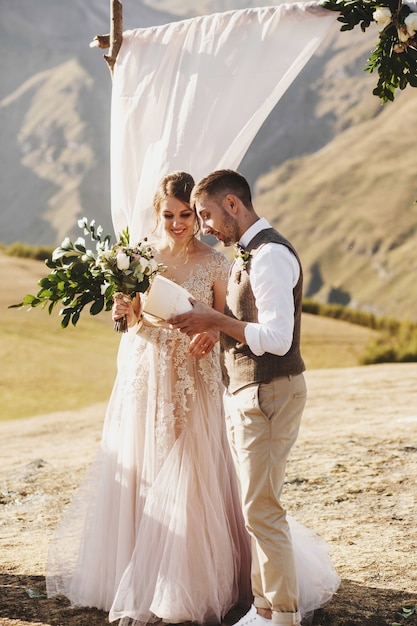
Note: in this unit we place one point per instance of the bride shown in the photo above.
(156, 532)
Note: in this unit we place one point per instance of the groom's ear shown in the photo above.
(232, 203)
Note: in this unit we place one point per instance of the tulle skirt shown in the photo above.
(156, 529)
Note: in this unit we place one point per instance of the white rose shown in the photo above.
(382, 16)
(411, 24)
(150, 267)
(122, 261)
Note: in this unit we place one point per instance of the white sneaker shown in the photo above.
(253, 618)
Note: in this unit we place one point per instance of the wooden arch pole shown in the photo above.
(116, 32)
(114, 40)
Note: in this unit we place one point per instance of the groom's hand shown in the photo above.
(198, 320)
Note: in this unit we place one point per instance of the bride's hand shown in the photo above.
(122, 306)
(203, 343)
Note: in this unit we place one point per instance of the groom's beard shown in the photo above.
(230, 232)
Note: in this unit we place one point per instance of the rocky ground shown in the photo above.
(351, 478)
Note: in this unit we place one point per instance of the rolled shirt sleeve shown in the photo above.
(274, 273)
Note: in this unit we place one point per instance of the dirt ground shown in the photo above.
(351, 478)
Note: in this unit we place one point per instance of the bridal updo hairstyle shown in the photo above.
(177, 185)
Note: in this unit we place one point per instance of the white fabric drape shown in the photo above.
(191, 95)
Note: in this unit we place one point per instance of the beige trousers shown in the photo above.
(263, 423)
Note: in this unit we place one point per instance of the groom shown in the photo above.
(265, 388)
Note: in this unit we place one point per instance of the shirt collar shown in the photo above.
(253, 230)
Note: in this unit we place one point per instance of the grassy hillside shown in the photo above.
(46, 368)
(351, 211)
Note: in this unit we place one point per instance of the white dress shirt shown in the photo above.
(274, 273)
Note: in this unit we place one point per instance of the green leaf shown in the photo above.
(412, 80)
(97, 306)
(34, 593)
(28, 300)
(65, 321)
(407, 610)
(77, 270)
(45, 282)
(44, 294)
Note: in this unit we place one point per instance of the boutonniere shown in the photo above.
(241, 257)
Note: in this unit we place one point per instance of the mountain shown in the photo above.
(55, 116)
(331, 167)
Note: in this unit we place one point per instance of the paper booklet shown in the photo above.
(165, 299)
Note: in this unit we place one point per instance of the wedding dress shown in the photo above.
(156, 530)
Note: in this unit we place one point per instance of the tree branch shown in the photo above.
(114, 40)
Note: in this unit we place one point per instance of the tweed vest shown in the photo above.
(240, 366)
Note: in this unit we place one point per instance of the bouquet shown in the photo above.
(80, 277)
